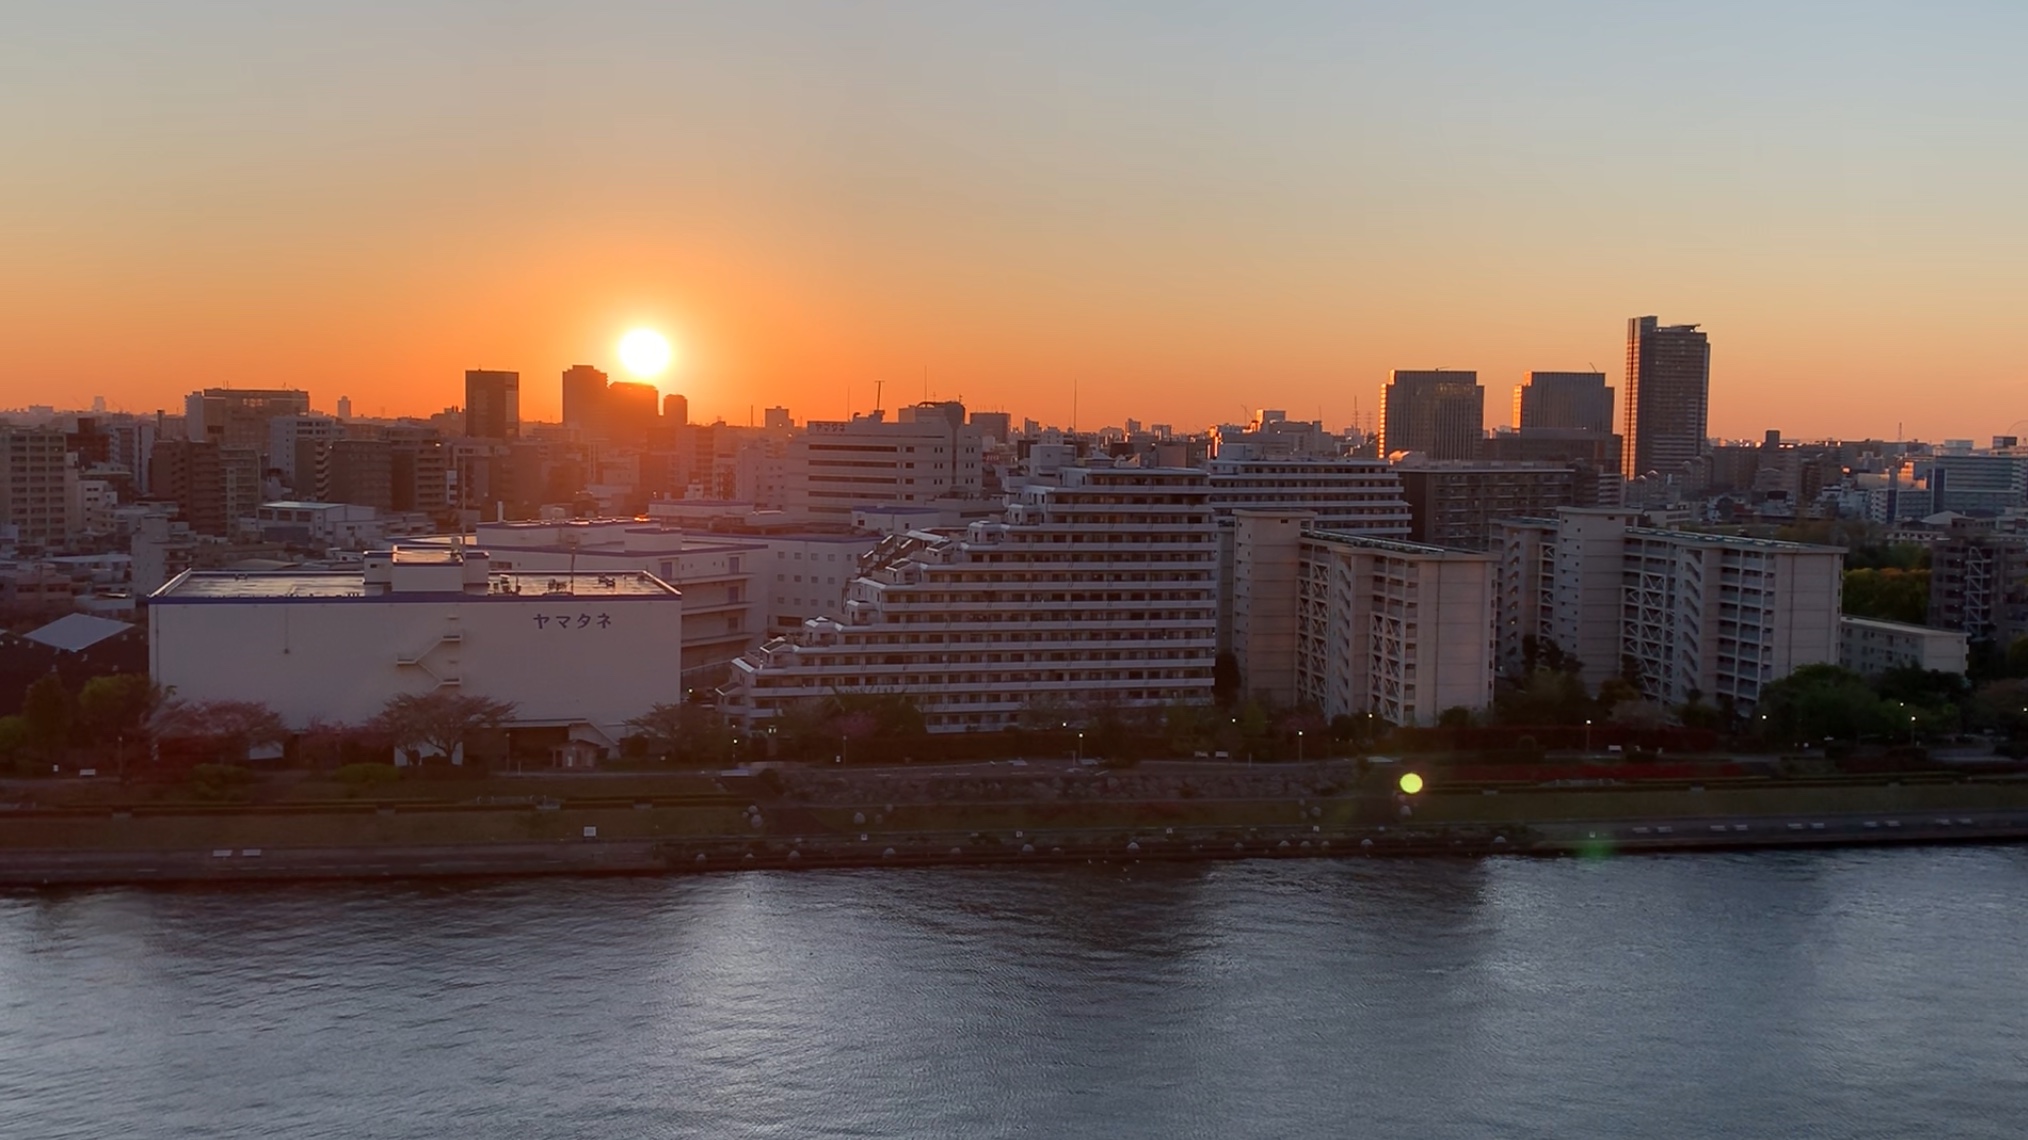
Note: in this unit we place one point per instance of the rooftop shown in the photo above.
(198, 585)
(1735, 541)
(75, 632)
(1395, 546)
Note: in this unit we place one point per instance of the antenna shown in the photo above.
(878, 385)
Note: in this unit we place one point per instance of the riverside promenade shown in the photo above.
(991, 812)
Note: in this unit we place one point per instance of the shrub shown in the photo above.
(220, 783)
(360, 779)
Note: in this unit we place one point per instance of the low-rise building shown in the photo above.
(581, 652)
(718, 576)
(1871, 646)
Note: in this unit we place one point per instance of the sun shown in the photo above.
(645, 352)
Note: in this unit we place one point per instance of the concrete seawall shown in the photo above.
(580, 856)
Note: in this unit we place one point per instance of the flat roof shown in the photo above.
(1737, 541)
(1394, 545)
(504, 586)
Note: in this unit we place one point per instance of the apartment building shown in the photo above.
(36, 478)
(1398, 630)
(1456, 503)
(1870, 646)
(1094, 593)
(1673, 610)
(1351, 496)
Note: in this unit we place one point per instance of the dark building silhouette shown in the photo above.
(1668, 396)
(675, 410)
(1440, 414)
(1568, 401)
(631, 413)
(584, 400)
(492, 404)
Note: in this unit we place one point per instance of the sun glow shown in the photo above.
(645, 352)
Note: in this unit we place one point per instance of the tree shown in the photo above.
(48, 710)
(14, 744)
(118, 711)
(1824, 701)
(683, 734)
(1890, 594)
(1545, 696)
(226, 730)
(442, 721)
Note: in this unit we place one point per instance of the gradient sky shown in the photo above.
(1185, 208)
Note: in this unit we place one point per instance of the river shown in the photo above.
(1842, 993)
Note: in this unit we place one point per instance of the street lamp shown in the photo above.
(1587, 736)
(1078, 753)
(1299, 746)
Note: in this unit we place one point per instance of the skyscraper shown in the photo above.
(492, 404)
(584, 399)
(1441, 414)
(1668, 396)
(1571, 401)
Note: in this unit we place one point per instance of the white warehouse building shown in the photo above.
(584, 652)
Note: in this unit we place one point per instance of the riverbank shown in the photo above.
(982, 814)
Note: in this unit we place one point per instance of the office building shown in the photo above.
(994, 426)
(584, 399)
(238, 417)
(927, 453)
(1565, 401)
(492, 404)
(1090, 597)
(1440, 414)
(1668, 389)
(631, 413)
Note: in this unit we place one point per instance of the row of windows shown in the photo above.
(918, 681)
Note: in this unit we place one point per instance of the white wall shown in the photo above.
(341, 659)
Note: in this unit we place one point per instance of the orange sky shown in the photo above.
(1185, 213)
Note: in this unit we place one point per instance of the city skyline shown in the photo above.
(1039, 209)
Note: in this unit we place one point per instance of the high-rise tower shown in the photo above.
(1441, 414)
(1668, 396)
(584, 400)
(492, 404)
(1567, 401)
